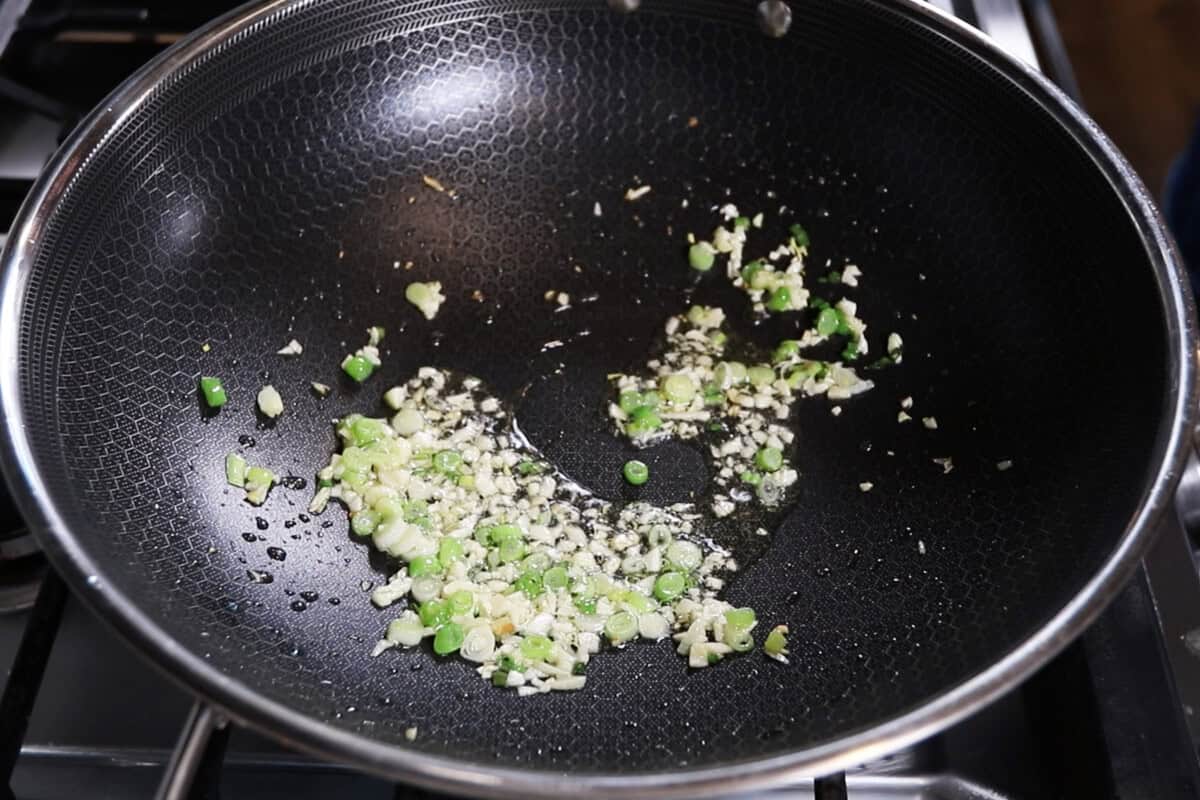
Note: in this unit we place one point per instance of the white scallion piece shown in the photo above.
(427, 297)
(269, 401)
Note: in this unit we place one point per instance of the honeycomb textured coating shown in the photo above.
(273, 190)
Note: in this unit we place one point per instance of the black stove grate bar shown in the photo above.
(194, 769)
(831, 787)
(20, 693)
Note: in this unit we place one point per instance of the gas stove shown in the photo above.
(1112, 716)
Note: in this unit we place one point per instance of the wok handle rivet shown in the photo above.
(774, 17)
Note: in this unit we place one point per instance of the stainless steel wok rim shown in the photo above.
(446, 774)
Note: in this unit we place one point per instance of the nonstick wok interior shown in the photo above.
(274, 191)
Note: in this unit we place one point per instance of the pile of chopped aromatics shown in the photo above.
(691, 389)
(743, 410)
(508, 564)
(505, 562)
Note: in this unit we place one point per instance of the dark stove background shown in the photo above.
(1109, 718)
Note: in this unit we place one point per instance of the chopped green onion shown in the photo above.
(843, 326)
(669, 586)
(357, 368)
(718, 338)
(364, 521)
(531, 584)
(538, 562)
(786, 350)
(448, 639)
(509, 664)
(505, 533)
(741, 223)
(637, 601)
(537, 648)
(678, 388)
(645, 420)
(659, 536)
(705, 317)
(760, 375)
(461, 602)
(555, 578)
(415, 512)
(636, 472)
(729, 373)
(424, 565)
(259, 481)
(434, 613)
(235, 470)
(850, 352)
(621, 627)
(740, 639)
(776, 643)
(365, 431)
(799, 235)
(769, 459)
(701, 256)
(713, 395)
(827, 322)
(389, 507)
(751, 478)
(750, 270)
(447, 462)
(528, 467)
(449, 550)
(806, 370)
(500, 678)
(511, 550)
(587, 605)
(780, 299)
(740, 617)
(214, 392)
(630, 401)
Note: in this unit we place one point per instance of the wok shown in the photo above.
(262, 181)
